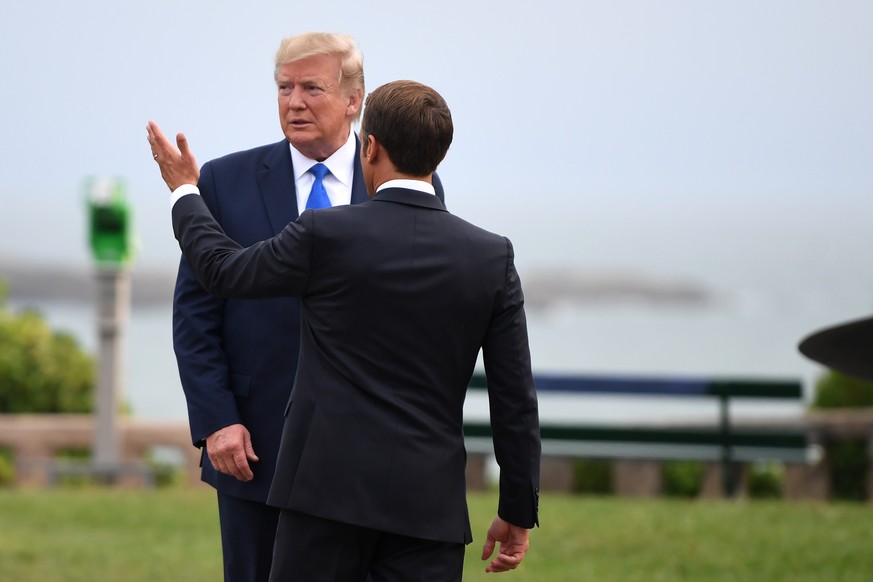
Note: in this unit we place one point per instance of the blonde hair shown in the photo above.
(310, 44)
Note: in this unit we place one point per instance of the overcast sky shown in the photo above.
(640, 133)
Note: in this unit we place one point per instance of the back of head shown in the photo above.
(343, 46)
(412, 122)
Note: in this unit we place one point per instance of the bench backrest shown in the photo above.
(731, 388)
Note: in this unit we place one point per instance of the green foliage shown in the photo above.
(836, 390)
(682, 478)
(7, 468)
(848, 461)
(73, 457)
(592, 476)
(765, 480)
(167, 473)
(41, 370)
(105, 535)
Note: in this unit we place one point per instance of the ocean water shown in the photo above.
(742, 334)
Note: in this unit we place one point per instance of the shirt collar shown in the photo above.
(419, 185)
(341, 163)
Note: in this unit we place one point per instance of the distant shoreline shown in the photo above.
(77, 284)
(154, 286)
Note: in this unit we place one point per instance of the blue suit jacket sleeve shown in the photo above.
(203, 366)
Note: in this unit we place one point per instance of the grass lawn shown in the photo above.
(107, 535)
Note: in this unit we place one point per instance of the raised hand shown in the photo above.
(177, 164)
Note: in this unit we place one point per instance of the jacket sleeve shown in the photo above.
(197, 342)
(512, 401)
(276, 267)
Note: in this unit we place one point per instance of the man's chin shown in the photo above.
(302, 140)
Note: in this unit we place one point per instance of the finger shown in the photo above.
(182, 143)
(218, 462)
(155, 131)
(228, 467)
(161, 144)
(503, 563)
(186, 155)
(250, 450)
(488, 548)
(243, 471)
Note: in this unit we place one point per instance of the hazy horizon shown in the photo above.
(727, 145)
(636, 134)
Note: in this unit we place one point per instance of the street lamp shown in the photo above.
(111, 240)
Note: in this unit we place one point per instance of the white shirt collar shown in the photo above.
(341, 163)
(419, 185)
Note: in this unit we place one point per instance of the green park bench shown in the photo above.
(723, 440)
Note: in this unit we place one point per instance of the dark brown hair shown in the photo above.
(413, 124)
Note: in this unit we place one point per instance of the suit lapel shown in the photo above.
(276, 182)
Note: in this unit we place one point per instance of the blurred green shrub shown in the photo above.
(836, 390)
(848, 462)
(7, 468)
(592, 476)
(682, 478)
(72, 456)
(41, 370)
(765, 480)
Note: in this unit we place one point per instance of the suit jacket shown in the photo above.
(237, 358)
(398, 297)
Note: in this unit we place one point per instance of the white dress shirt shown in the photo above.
(338, 182)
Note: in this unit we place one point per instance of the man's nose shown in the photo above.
(296, 100)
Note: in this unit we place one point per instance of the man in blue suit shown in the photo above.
(238, 358)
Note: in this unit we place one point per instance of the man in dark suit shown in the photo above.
(237, 358)
(398, 297)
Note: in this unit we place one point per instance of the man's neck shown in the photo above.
(394, 175)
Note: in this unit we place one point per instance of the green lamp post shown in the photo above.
(109, 222)
(111, 240)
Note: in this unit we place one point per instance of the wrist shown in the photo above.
(181, 191)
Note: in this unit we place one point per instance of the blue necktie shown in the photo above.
(318, 195)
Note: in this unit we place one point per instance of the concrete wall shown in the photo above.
(35, 441)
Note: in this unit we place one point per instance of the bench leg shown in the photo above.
(714, 481)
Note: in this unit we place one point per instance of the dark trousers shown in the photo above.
(248, 529)
(312, 549)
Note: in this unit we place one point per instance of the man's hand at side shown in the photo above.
(230, 451)
(178, 165)
(514, 541)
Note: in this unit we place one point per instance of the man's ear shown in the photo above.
(372, 148)
(356, 99)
